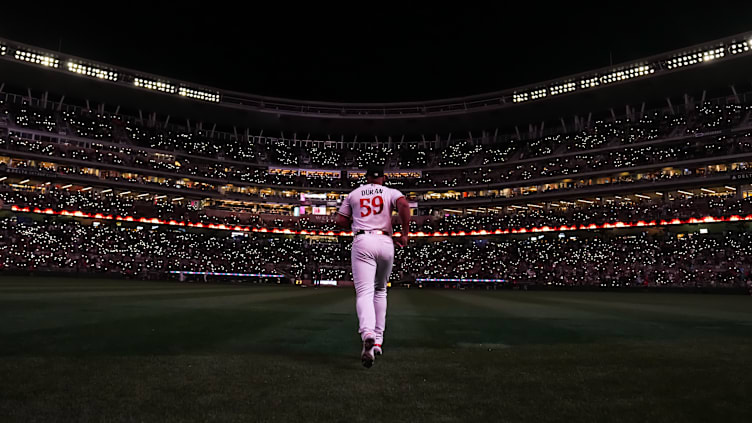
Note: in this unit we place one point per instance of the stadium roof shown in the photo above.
(713, 66)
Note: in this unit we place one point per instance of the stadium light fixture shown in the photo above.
(707, 190)
(154, 85)
(695, 58)
(92, 71)
(142, 195)
(520, 97)
(178, 199)
(684, 192)
(629, 73)
(535, 205)
(66, 186)
(641, 196)
(585, 201)
(731, 188)
(658, 193)
(86, 189)
(199, 94)
(3, 178)
(107, 190)
(590, 82)
(563, 88)
(124, 193)
(39, 59)
(159, 197)
(740, 47)
(539, 93)
(3, 49)
(24, 181)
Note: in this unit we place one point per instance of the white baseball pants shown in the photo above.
(372, 259)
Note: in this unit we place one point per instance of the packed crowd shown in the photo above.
(596, 259)
(626, 209)
(195, 153)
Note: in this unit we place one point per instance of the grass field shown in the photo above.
(96, 350)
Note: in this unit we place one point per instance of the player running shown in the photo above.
(369, 208)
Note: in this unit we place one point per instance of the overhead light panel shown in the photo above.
(622, 75)
(39, 59)
(92, 71)
(520, 97)
(154, 85)
(740, 47)
(563, 88)
(199, 94)
(695, 58)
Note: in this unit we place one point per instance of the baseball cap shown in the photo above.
(375, 172)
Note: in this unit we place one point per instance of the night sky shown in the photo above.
(386, 53)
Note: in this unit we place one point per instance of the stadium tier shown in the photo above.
(634, 174)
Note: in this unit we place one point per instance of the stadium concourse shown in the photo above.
(144, 176)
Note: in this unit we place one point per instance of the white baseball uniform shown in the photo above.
(370, 207)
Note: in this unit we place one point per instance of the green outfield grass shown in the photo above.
(98, 350)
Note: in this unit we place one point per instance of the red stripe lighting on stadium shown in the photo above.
(483, 232)
(458, 280)
(257, 275)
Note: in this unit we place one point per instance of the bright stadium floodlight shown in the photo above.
(199, 94)
(536, 94)
(520, 97)
(38, 59)
(590, 82)
(629, 73)
(740, 47)
(92, 71)
(563, 88)
(3, 49)
(154, 85)
(694, 58)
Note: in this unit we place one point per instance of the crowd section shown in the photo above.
(629, 209)
(134, 144)
(47, 244)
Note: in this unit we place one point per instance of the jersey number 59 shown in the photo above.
(365, 206)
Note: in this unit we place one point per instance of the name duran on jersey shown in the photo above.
(371, 207)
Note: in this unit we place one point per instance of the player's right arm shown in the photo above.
(403, 209)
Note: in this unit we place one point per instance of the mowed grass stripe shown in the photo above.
(623, 321)
(97, 326)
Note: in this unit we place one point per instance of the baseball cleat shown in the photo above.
(377, 349)
(366, 356)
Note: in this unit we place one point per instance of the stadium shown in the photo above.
(169, 250)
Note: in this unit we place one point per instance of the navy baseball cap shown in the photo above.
(375, 172)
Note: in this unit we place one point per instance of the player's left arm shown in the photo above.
(343, 221)
(344, 215)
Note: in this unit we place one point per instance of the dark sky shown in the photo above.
(386, 53)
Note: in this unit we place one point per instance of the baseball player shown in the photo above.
(369, 210)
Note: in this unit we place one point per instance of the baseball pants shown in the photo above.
(372, 259)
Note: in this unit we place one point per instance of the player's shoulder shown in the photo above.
(395, 192)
